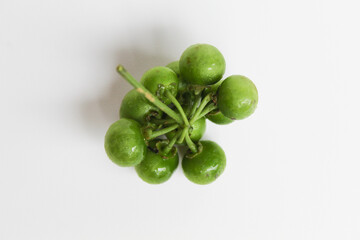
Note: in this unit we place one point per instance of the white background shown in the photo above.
(292, 167)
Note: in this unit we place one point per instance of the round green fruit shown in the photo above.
(135, 106)
(217, 117)
(202, 64)
(156, 169)
(197, 129)
(160, 79)
(175, 67)
(182, 84)
(237, 97)
(124, 143)
(205, 166)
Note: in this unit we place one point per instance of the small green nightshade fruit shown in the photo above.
(159, 79)
(135, 106)
(156, 169)
(205, 166)
(202, 64)
(237, 97)
(124, 143)
(176, 68)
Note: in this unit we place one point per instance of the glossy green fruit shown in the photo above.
(175, 67)
(182, 84)
(155, 169)
(196, 131)
(135, 106)
(159, 79)
(124, 143)
(218, 118)
(202, 64)
(205, 166)
(237, 97)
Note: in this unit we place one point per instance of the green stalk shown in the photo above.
(149, 96)
(183, 134)
(194, 106)
(203, 103)
(163, 131)
(178, 106)
(214, 87)
(190, 143)
(206, 110)
(171, 143)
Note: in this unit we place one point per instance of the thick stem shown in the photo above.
(203, 103)
(194, 106)
(149, 96)
(163, 131)
(178, 106)
(171, 143)
(183, 134)
(206, 110)
(214, 87)
(190, 143)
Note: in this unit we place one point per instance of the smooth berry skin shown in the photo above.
(124, 143)
(135, 106)
(205, 166)
(218, 118)
(237, 97)
(197, 130)
(176, 68)
(202, 64)
(155, 169)
(159, 79)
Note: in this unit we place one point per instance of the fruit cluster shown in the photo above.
(169, 107)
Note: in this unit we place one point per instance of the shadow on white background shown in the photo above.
(97, 112)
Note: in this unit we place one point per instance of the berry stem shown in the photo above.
(171, 143)
(213, 88)
(194, 106)
(149, 96)
(178, 106)
(183, 133)
(163, 131)
(190, 143)
(203, 103)
(206, 110)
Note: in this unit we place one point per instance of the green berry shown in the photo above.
(156, 169)
(175, 67)
(160, 79)
(202, 64)
(182, 84)
(237, 97)
(197, 129)
(135, 106)
(124, 143)
(205, 166)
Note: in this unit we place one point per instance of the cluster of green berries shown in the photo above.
(169, 107)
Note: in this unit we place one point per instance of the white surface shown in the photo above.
(293, 167)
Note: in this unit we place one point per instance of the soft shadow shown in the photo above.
(100, 111)
(105, 109)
